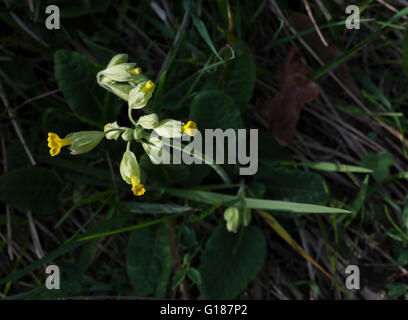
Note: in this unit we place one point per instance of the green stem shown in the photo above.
(116, 129)
(130, 116)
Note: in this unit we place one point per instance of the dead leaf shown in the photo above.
(282, 111)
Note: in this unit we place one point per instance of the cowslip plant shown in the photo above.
(126, 81)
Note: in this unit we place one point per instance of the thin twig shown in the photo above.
(34, 235)
(310, 14)
(43, 95)
(325, 12)
(15, 125)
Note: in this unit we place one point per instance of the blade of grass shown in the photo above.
(39, 263)
(394, 224)
(129, 228)
(274, 224)
(206, 213)
(91, 199)
(65, 248)
(329, 166)
(252, 203)
(347, 55)
(202, 30)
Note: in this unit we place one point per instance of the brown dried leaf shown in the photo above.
(282, 111)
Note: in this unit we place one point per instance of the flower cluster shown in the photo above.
(127, 81)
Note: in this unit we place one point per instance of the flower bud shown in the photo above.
(153, 147)
(84, 141)
(138, 133)
(129, 166)
(149, 121)
(130, 172)
(138, 78)
(169, 128)
(141, 94)
(120, 89)
(120, 72)
(245, 216)
(113, 134)
(117, 59)
(128, 134)
(231, 216)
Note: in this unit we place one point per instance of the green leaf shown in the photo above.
(239, 76)
(188, 238)
(396, 289)
(231, 261)
(228, 200)
(75, 166)
(147, 253)
(358, 202)
(76, 76)
(194, 275)
(292, 185)
(179, 277)
(151, 208)
(379, 163)
(403, 258)
(162, 283)
(31, 188)
(204, 34)
(270, 150)
(213, 109)
(333, 167)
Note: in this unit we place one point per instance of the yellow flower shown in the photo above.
(137, 188)
(190, 128)
(130, 172)
(149, 85)
(141, 94)
(56, 143)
